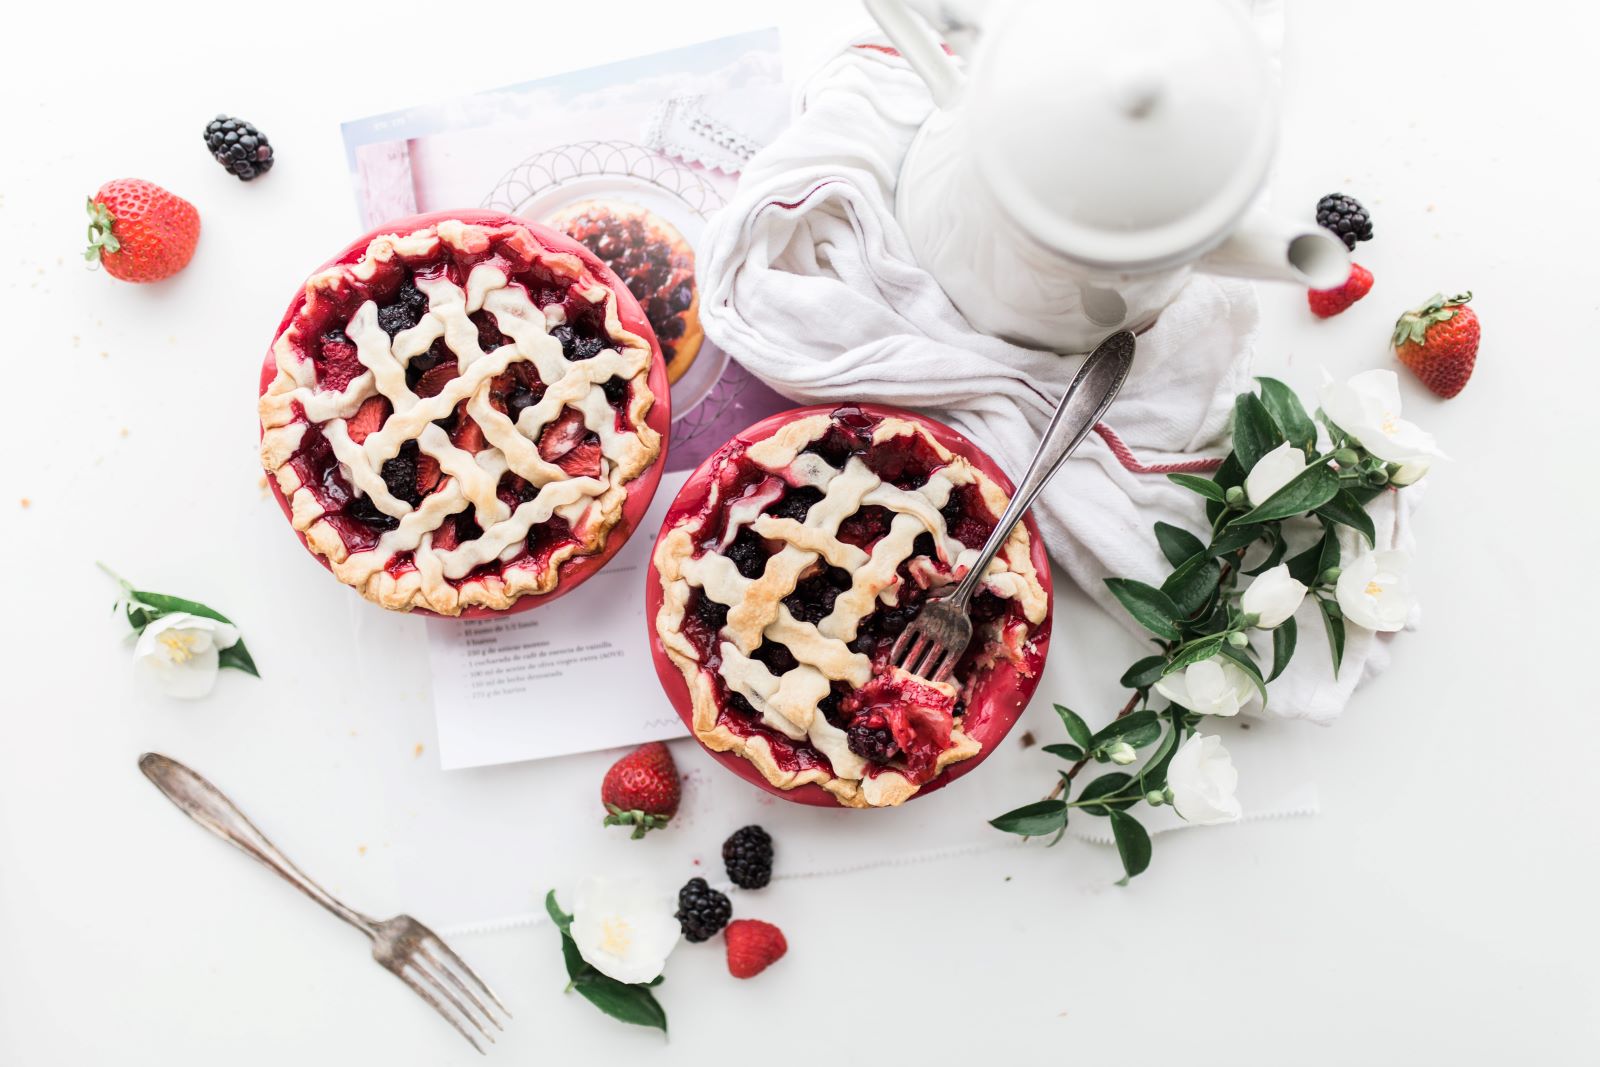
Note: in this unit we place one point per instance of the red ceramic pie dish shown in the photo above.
(993, 706)
(639, 491)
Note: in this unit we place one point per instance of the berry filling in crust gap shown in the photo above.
(785, 587)
(456, 411)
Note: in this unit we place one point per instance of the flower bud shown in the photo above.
(1377, 478)
(1166, 794)
(1155, 798)
(1234, 495)
(1331, 575)
(1238, 640)
(1121, 753)
(1346, 457)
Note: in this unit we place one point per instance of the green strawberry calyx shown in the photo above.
(102, 238)
(641, 821)
(1412, 327)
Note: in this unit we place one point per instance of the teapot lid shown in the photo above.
(1129, 134)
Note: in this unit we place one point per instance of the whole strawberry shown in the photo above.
(642, 790)
(1326, 303)
(1439, 342)
(140, 232)
(753, 946)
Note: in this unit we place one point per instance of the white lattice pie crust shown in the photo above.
(789, 704)
(591, 506)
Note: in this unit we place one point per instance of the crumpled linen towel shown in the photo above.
(807, 280)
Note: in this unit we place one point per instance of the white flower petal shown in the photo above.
(1272, 472)
(1202, 778)
(1274, 596)
(1374, 591)
(625, 928)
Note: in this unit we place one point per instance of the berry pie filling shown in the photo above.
(787, 581)
(652, 258)
(455, 413)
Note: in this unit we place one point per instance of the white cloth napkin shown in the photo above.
(807, 280)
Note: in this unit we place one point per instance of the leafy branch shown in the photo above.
(1198, 613)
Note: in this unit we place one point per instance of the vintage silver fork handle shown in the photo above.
(1092, 389)
(205, 804)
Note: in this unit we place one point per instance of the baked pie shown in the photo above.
(453, 411)
(651, 257)
(789, 570)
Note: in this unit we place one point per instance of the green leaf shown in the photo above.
(1283, 639)
(1133, 844)
(1145, 673)
(1077, 729)
(238, 657)
(1138, 729)
(562, 920)
(1149, 606)
(1177, 544)
(577, 966)
(166, 605)
(1204, 486)
(1153, 775)
(1105, 789)
(1275, 556)
(629, 1003)
(1228, 475)
(1288, 413)
(1033, 820)
(1233, 538)
(1344, 508)
(1254, 432)
(1194, 652)
(1305, 567)
(1307, 491)
(1333, 622)
(1192, 584)
(1072, 753)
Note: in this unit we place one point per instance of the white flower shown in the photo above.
(1215, 686)
(178, 653)
(1367, 407)
(624, 928)
(1373, 591)
(1202, 780)
(1272, 472)
(1274, 596)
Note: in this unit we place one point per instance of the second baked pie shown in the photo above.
(454, 411)
(784, 585)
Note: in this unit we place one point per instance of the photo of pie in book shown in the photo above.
(655, 261)
(790, 562)
(463, 413)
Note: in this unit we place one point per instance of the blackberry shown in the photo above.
(363, 510)
(748, 856)
(1345, 216)
(405, 311)
(708, 611)
(587, 348)
(239, 147)
(616, 391)
(749, 555)
(796, 503)
(400, 474)
(702, 911)
(872, 742)
(568, 339)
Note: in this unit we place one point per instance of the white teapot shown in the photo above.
(1091, 156)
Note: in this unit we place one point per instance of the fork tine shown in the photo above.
(461, 964)
(449, 972)
(455, 1001)
(400, 972)
(902, 644)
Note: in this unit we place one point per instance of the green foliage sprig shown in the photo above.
(1195, 614)
(631, 1003)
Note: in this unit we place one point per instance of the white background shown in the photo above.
(1441, 909)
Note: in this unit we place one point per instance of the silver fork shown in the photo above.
(404, 946)
(933, 642)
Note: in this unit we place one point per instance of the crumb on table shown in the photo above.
(416, 753)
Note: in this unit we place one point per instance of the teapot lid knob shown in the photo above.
(1128, 134)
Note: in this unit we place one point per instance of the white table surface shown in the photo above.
(1440, 909)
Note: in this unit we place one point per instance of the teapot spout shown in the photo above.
(1284, 250)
